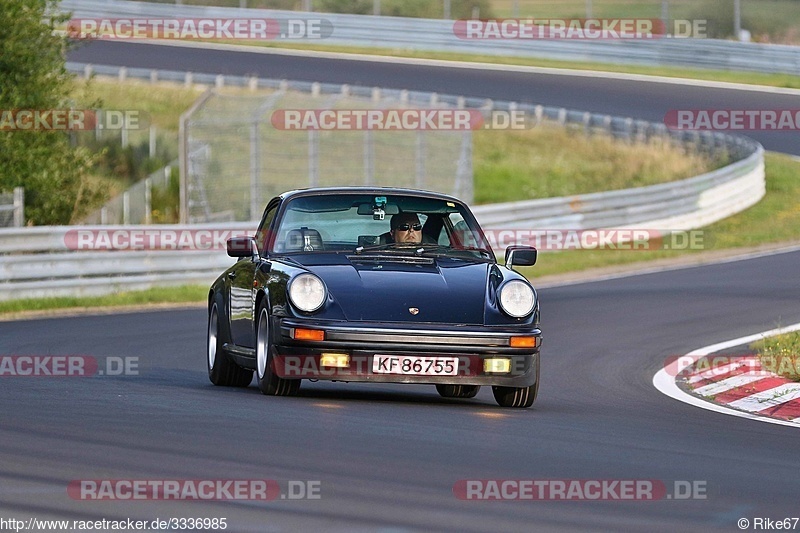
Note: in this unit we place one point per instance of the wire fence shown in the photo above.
(237, 158)
(135, 205)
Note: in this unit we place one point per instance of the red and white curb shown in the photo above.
(739, 388)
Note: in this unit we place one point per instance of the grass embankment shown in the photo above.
(158, 295)
(775, 219)
(781, 354)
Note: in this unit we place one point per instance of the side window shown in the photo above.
(262, 235)
(461, 232)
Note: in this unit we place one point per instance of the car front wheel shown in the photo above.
(268, 381)
(515, 396)
(457, 391)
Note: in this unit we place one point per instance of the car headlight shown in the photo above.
(517, 298)
(307, 292)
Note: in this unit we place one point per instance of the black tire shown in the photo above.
(268, 382)
(457, 391)
(221, 370)
(518, 396)
(515, 396)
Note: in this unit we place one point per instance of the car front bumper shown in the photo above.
(470, 346)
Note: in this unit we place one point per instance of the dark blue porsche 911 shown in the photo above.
(374, 285)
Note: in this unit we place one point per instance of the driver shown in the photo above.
(405, 228)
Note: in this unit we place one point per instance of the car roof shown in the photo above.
(368, 190)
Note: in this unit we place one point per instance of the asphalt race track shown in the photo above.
(388, 456)
(637, 99)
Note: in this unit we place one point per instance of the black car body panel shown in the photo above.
(435, 302)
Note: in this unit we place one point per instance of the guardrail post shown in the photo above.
(123, 74)
(148, 201)
(252, 83)
(255, 168)
(103, 215)
(98, 127)
(152, 143)
(188, 78)
(562, 116)
(87, 71)
(464, 176)
(153, 76)
(315, 89)
(126, 207)
(446, 10)
(419, 153)
(219, 81)
(19, 207)
(123, 133)
(313, 158)
(369, 157)
(629, 129)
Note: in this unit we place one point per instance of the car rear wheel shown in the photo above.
(457, 391)
(268, 381)
(221, 370)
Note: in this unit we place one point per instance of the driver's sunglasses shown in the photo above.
(406, 227)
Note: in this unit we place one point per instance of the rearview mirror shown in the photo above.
(369, 209)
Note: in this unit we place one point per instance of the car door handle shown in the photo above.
(231, 275)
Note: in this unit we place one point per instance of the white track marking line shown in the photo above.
(664, 381)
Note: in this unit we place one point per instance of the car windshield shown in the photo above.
(368, 223)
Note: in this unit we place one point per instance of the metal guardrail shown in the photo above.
(681, 205)
(438, 35)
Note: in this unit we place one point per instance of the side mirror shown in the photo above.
(521, 256)
(242, 247)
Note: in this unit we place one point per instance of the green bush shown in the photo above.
(32, 69)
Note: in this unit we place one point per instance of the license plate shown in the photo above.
(415, 365)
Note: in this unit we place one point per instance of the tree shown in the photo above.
(33, 76)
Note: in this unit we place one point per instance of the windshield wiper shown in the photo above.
(386, 246)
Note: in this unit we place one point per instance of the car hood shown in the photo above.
(387, 288)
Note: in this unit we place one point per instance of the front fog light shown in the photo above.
(497, 365)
